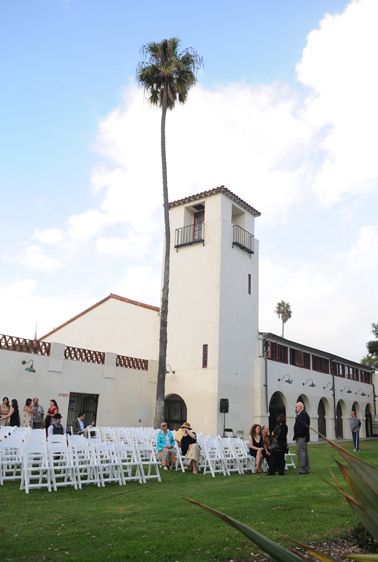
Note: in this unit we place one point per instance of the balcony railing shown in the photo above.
(243, 239)
(191, 234)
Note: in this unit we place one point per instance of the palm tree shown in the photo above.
(167, 76)
(283, 311)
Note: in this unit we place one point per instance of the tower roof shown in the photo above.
(215, 191)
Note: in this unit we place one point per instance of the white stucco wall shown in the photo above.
(209, 304)
(116, 326)
(126, 396)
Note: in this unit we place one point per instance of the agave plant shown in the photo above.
(361, 480)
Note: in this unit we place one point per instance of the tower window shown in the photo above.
(249, 283)
(204, 355)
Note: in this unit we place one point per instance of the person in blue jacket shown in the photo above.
(166, 447)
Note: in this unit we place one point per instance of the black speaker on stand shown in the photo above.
(223, 408)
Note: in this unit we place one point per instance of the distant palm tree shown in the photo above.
(283, 311)
(167, 76)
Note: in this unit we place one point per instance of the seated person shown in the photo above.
(189, 447)
(79, 427)
(266, 441)
(256, 445)
(56, 427)
(166, 447)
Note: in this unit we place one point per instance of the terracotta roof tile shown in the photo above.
(220, 189)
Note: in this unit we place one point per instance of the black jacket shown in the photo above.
(302, 426)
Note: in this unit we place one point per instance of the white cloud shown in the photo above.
(36, 258)
(50, 236)
(132, 246)
(363, 256)
(339, 67)
(86, 225)
(141, 283)
(23, 306)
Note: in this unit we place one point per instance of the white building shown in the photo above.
(216, 355)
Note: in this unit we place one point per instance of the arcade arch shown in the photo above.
(340, 411)
(277, 405)
(368, 421)
(175, 411)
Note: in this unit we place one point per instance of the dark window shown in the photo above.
(199, 219)
(366, 377)
(204, 355)
(337, 369)
(300, 358)
(277, 352)
(320, 364)
(249, 283)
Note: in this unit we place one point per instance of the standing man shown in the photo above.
(355, 424)
(38, 414)
(302, 437)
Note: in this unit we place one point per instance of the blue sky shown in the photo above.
(282, 84)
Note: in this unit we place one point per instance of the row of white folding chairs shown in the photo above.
(57, 463)
(224, 456)
(83, 461)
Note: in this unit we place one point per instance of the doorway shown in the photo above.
(322, 424)
(175, 411)
(81, 402)
(339, 422)
(276, 407)
(368, 421)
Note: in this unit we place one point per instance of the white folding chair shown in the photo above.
(148, 461)
(108, 464)
(247, 463)
(213, 461)
(290, 461)
(63, 471)
(230, 458)
(10, 458)
(36, 469)
(85, 461)
(130, 465)
(179, 459)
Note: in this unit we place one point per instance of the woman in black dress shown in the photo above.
(278, 447)
(256, 445)
(189, 447)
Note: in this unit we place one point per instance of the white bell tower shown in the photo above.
(213, 308)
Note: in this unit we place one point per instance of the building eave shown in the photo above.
(215, 191)
(326, 354)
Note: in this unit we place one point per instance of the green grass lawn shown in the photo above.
(152, 522)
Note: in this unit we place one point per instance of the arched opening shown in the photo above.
(322, 423)
(303, 398)
(276, 407)
(174, 411)
(356, 408)
(339, 422)
(368, 421)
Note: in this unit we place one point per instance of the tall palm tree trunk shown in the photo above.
(163, 336)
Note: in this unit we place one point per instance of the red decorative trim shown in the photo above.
(84, 355)
(111, 296)
(13, 343)
(132, 363)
